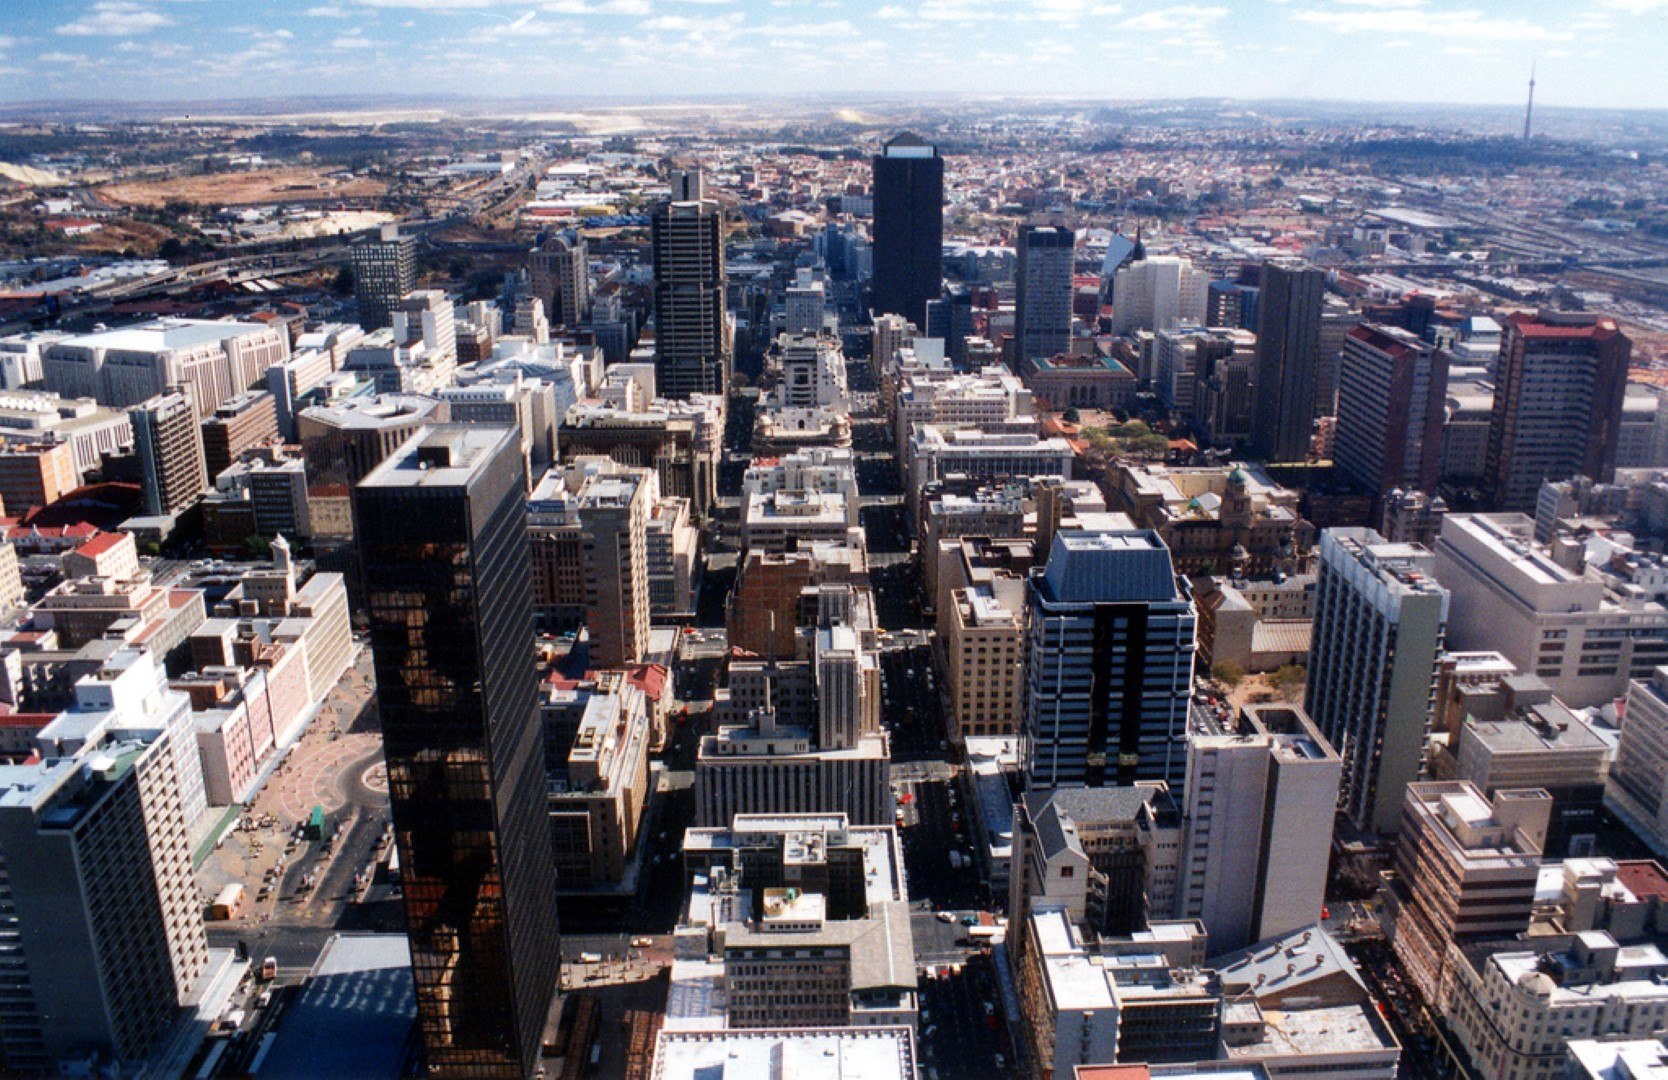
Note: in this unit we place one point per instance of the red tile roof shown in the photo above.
(101, 543)
(1644, 878)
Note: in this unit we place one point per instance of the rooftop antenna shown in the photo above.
(1529, 110)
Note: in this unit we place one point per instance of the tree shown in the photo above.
(1151, 445)
(1071, 415)
(258, 546)
(1289, 680)
(1228, 673)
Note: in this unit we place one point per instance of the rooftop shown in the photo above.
(869, 1053)
(163, 335)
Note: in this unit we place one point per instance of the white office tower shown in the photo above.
(813, 374)
(99, 909)
(1637, 785)
(805, 307)
(1109, 650)
(1158, 293)
(426, 315)
(1380, 618)
(891, 333)
(1259, 827)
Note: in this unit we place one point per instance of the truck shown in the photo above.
(269, 969)
(228, 904)
(957, 861)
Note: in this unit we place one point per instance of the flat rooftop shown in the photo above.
(164, 335)
(869, 1053)
(354, 1016)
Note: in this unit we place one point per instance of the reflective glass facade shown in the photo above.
(440, 531)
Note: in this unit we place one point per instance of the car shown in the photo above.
(1001, 1062)
(970, 920)
(642, 942)
(946, 916)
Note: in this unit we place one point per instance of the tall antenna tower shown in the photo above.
(1529, 110)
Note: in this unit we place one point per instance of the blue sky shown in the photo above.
(1589, 52)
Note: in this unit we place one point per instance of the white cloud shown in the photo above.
(61, 58)
(1635, 7)
(326, 11)
(1180, 17)
(1070, 11)
(430, 5)
(116, 18)
(1472, 25)
(598, 7)
(353, 39)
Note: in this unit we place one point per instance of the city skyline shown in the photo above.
(1595, 53)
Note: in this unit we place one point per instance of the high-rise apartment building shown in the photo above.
(908, 227)
(560, 277)
(1392, 402)
(1259, 827)
(1559, 386)
(441, 528)
(692, 329)
(1042, 296)
(384, 269)
(170, 448)
(1380, 617)
(100, 908)
(1288, 353)
(1109, 663)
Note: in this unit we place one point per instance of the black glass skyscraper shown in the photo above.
(440, 527)
(1288, 356)
(692, 332)
(909, 228)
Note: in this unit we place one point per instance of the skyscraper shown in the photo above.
(909, 227)
(384, 269)
(441, 535)
(1392, 401)
(692, 332)
(1042, 298)
(170, 448)
(1259, 814)
(1560, 381)
(1288, 350)
(1109, 663)
(561, 278)
(1380, 618)
(100, 910)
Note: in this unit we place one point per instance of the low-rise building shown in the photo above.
(1079, 381)
(1516, 1006)
(1218, 520)
(597, 741)
(803, 920)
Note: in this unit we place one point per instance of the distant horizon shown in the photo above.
(1588, 54)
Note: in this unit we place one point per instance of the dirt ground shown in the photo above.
(289, 185)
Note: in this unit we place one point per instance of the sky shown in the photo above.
(1594, 53)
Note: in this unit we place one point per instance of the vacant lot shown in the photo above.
(243, 188)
